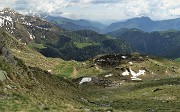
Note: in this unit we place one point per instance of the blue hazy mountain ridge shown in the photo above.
(145, 24)
(75, 25)
(142, 23)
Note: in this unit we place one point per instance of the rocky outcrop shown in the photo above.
(13, 68)
(3, 75)
(6, 55)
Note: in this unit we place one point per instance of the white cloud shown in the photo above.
(175, 11)
(44, 6)
(6, 3)
(157, 9)
(98, 9)
(32, 6)
(137, 8)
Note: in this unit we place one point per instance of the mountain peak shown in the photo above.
(145, 17)
(8, 11)
(8, 17)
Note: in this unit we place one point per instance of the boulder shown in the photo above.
(6, 55)
(3, 75)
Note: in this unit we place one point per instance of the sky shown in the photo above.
(100, 10)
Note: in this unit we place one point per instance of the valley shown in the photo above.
(47, 68)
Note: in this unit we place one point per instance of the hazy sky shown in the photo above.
(98, 9)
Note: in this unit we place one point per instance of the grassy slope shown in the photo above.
(74, 69)
(137, 97)
(57, 66)
(38, 92)
(32, 89)
(140, 96)
(178, 59)
(65, 96)
(49, 93)
(134, 96)
(130, 97)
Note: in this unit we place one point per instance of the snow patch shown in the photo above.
(8, 18)
(109, 75)
(1, 12)
(124, 57)
(43, 36)
(6, 21)
(41, 28)
(31, 36)
(49, 70)
(135, 75)
(1, 22)
(23, 18)
(131, 63)
(85, 79)
(26, 23)
(125, 73)
(136, 79)
(101, 60)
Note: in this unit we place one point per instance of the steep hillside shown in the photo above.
(145, 24)
(165, 43)
(85, 45)
(28, 29)
(27, 54)
(24, 88)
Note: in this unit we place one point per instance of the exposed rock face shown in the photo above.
(3, 75)
(6, 55)
(11, 67)
(115, 60)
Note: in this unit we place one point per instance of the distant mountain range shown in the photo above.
(162, 43)
(142, 23)
(75, 25)
(145, 24)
